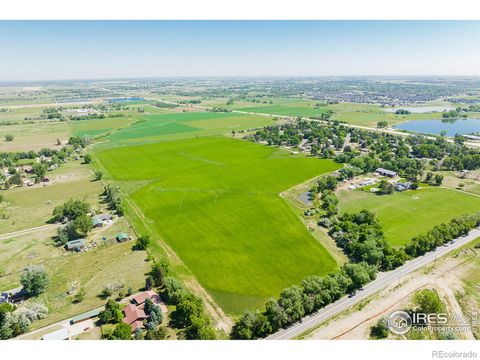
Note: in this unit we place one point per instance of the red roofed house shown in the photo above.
(143, 296)
(134, 316)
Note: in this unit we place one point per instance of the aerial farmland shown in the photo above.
(235, 205)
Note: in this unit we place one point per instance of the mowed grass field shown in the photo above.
(215, 201)
(33, 136)
(407, 214)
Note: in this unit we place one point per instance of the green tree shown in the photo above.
(380, 329)
(386, 187)
(87, 159)
(112, 313)
(200, 329)
(142, 242)
(173, 290)
(428, 302)
(34, 280)
(39, 170)
(122, 331)
(9, 137)
(79, 296)
(438, 179)
(291, 300)
(98, 175)
(158, 271)
(82, 225)
(156, 334)
(382, 124)
(70, 210)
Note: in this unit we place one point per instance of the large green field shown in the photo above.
(407, 214)
(94, 127)
(182, 125)
(215, 201)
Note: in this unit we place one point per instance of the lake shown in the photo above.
(435, 127)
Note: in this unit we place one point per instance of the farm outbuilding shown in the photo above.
(76, 245)
(122, 237)
(85, 316)
(385, 172)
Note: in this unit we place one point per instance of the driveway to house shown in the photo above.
(28, 231)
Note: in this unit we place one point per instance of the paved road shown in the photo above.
(28, 231)
(383, 280)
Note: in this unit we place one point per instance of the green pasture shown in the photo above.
(93, 127)
(215, 201)
(407, 214)
(173, 126)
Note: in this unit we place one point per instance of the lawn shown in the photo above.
(215, 201)
(407, 214)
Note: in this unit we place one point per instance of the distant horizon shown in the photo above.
(83, 50)
(206, 77)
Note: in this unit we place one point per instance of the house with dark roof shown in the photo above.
(385, 172)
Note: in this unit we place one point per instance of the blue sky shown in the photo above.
(53, 50)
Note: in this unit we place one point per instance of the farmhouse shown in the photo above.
(75, 245)
(134, 317)
(134, 313)
(140, 298)
(385, 172)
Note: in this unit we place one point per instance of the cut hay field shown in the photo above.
(174, 126)
(34, 136)
(215, 201)
(407, 214)
(27, 207)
